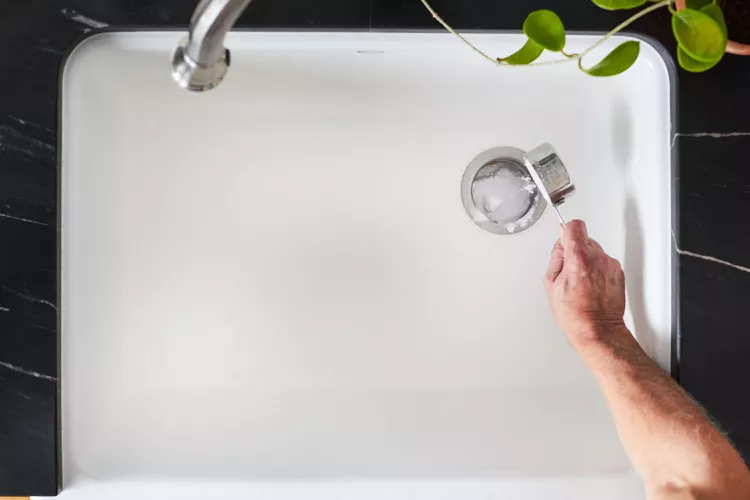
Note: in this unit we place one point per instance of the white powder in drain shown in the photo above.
(501, 194)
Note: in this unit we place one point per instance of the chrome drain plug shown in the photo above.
(499, 194)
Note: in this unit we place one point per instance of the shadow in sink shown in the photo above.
(633, 264)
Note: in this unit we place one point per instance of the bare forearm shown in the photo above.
(670, 440)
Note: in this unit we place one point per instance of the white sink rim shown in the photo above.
(660, 49)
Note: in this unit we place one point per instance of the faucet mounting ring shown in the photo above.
(193, 76)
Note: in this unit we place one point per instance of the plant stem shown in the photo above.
(625, 24)
(562, 51)
(452, 31)
(569, 57)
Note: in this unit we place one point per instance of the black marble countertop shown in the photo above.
(711, 232)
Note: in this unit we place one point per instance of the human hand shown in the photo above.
(585, 286)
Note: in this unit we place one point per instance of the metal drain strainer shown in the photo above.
(499, 194)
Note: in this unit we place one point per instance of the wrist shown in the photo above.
(596, 333)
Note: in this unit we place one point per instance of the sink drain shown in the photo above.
(499, 194)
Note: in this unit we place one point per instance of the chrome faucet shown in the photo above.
(200, 61)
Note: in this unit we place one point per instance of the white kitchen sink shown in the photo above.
(272, 289)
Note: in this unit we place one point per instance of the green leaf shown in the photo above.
(545, 28)
(689, 64)
(621, 58)
(714, 11)
(697, 4)
(699, 35)
(526, 54)
(619, 4)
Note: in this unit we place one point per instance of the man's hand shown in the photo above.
(585, 286)
(669, 439)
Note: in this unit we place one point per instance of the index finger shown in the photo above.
(556, 263)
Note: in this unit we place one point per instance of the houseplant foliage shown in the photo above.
(699, 29)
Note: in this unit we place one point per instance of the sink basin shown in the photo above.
(272, 290)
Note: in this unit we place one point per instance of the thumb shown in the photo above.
(574, 235)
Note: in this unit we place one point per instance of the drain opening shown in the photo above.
(499, 194)
(502, 192)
